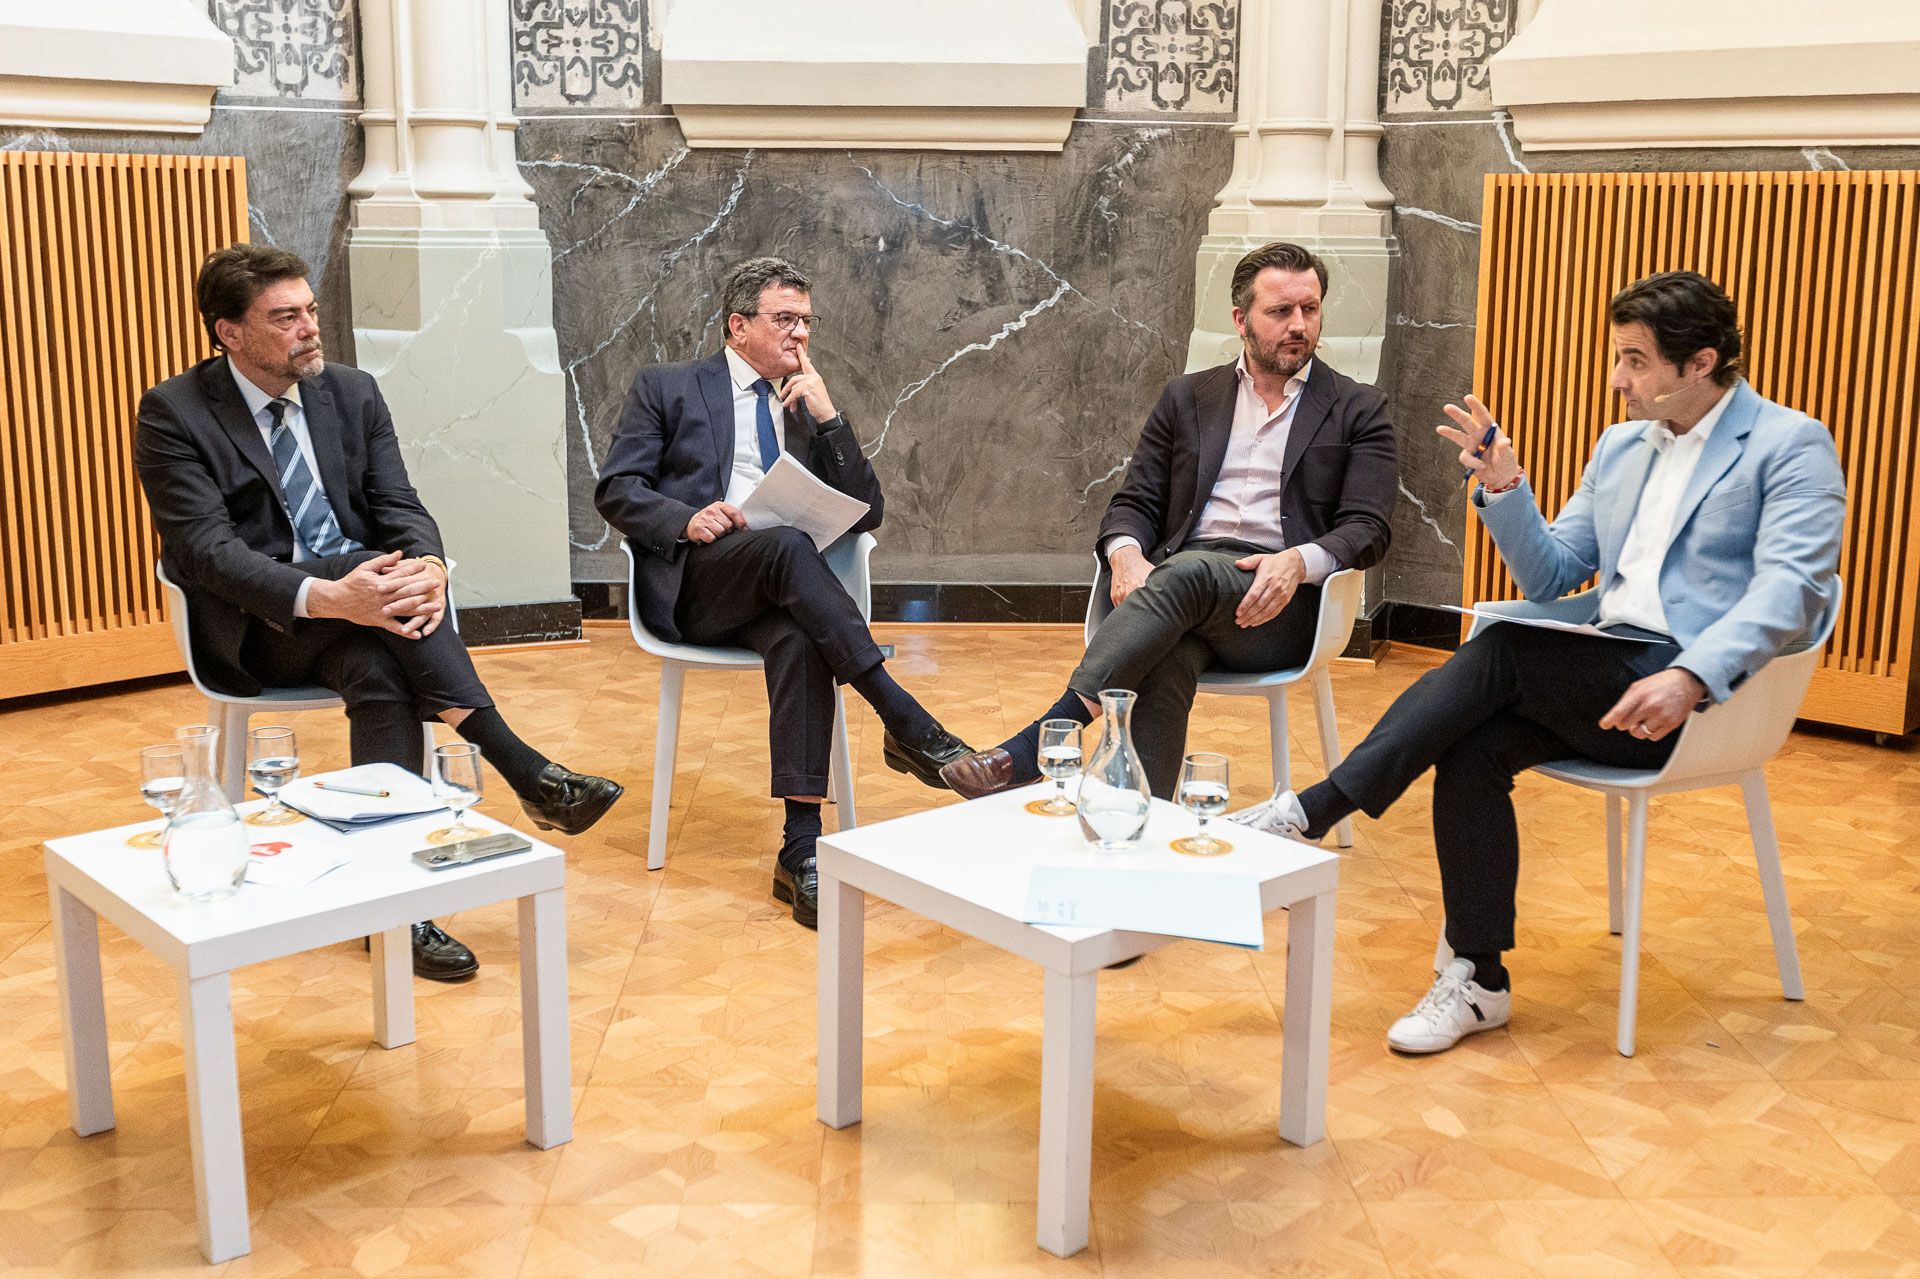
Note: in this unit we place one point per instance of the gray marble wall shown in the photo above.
(1442, 137)
(998, 325)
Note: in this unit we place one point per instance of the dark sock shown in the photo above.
(1325, 805)
(800, 832)
(386, 733)
(1488, 971)
(905, 718)
(1024, 745)
(512, 758)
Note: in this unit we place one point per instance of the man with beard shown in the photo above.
(1252, 483)
(286, 515)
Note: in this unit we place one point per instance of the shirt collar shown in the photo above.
(1663, 437)
(742, 373)
(257, 399)
(1294, 383)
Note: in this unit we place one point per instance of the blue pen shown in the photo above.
(1486, 442)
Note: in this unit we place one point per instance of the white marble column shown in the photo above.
(453, 297)
(1305, 168)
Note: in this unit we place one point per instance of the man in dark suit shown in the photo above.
(694, 440)
(1252, 483)
(286, 515)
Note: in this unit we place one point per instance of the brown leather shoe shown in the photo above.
(981, 773)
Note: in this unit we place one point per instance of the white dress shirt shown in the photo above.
(1245, 501)
(747, 471)
(296, 420)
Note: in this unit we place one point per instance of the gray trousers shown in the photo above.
(1160, 640)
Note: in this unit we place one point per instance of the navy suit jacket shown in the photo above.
(671, 455)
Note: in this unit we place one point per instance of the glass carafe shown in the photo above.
(1113, 785)
(206, 842)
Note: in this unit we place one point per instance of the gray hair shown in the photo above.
(749, 279)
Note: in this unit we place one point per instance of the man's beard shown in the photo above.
(1279, 361)
(306, 361)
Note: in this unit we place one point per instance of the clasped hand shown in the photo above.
(405, 596)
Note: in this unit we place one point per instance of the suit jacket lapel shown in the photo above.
(230, 410)
(1721, 450)
(717, 389)
(1316, 397)
(324, 428)
(1213, 410)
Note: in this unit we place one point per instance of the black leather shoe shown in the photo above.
(802, 889)
(438, 957)
(925, 759)
(569, 802)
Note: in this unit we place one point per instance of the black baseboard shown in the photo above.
(1421, 625)
(482, 626)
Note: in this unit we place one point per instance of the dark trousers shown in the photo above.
(1160, 640)
(389, 682)
(1513, 697)
(771, 591)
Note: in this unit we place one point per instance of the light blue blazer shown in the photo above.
(1750, 569)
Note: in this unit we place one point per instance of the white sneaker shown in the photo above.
(1455, 1007)
(1281, 815)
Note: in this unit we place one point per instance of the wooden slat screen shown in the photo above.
(97, 261)
(1823, 268)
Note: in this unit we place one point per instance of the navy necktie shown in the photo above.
(307, 506)
(763, 424)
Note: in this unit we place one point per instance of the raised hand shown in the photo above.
(808, 385)
(1496, 467)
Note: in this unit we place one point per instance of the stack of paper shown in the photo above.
(1206, 906)
(791, 496)
(396, 795)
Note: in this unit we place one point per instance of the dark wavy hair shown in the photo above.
(1687, 313)
(1288, 257)
(231, 278)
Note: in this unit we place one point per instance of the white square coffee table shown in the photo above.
(380, 894)
(966, 866)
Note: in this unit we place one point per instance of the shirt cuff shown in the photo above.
(300, 599)
(1319, 561)
(1115, 543)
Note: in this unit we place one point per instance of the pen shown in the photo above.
(1486, 442)
(345, 789)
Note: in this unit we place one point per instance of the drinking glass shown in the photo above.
(456, 783)
(1203, 792)
(1059, 759)
(273, 760)
(163, 771)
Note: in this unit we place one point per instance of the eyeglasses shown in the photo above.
(786, 321)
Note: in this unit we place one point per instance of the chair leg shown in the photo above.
(1636, 875)
(1277, 739)
(231, 759)
(1613, 803)
(1330, 744)
(427, 743)
(840, 767)
(666, 743)
(1766, 853)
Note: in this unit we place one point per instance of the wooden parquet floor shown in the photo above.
(1749, 1137)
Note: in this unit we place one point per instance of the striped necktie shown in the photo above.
(307, 505)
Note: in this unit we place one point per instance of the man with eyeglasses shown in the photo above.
(694, 440)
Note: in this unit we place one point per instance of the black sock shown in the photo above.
(1024, 745)
(512, 758)
(1488, 972)
(1325, 805)
(801, 830)
(905, 718)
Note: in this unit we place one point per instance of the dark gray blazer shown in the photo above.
(1339, 478)
(671, 456)
(215, 496)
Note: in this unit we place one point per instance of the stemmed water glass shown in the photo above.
(1060, 757)
(273, 760)
(1203, 792)
(163, 771)
(456, 783)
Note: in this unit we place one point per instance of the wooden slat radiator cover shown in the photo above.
(1822, 267)
(97, 262)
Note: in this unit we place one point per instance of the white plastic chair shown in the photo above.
(1339, 605)
(230, 714)
(848, 557)
(1724, 745)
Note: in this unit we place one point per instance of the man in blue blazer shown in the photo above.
(1712, 523)
(694, 440)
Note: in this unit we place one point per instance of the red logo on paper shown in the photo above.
(273, 849)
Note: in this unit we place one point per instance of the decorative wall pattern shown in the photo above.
(1437, 53)
(306, 49)
(1172, 55)
(583, 54)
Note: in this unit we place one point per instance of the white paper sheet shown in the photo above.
(280, 862)
(407, 794)
(791, 496)
(1206, 907)
(1547, 624)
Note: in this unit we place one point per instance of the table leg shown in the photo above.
(1308, 1020)
(83, 1012)
(393, 987)
(843, 935)
(543, 1018)
(1066, 1112)
(213, 1116)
